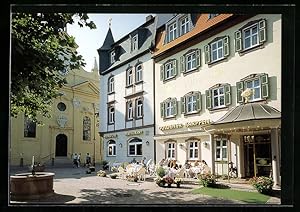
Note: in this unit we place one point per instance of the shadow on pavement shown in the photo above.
(53, 199)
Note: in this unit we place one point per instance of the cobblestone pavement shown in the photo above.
(74, 186)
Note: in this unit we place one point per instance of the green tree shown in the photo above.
(40, 49)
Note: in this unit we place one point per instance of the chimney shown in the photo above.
(149, 17)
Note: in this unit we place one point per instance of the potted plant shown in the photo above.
(169, 180)
(207, 180)
(178, 181)
(160, 171)
(262, 184)
(160, 181)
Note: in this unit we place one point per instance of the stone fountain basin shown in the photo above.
(27, 186)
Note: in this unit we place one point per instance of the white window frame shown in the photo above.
(111, 84)
(112, 56)
(251, 36)
(192, 61)
(129, 110)
(139, 108)
(111, 115)
(134, 43)
(129, 77)
(113, 147)
(172, 30)
(221, 148)
(252, 98)
(219, 96)
(194, 148)
(193, 103)
(184, 25)
(171, 150)
(169, 109)
(135, 142)
(139, 73)
(219, 57)
(169, 69)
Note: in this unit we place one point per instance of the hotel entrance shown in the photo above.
(257, 155)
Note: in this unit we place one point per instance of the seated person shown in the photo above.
(161, 162)
(133, 160)
(187, 165)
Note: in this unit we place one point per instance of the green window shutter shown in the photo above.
(198, 101)
(162, 72)
(207, 53)
(227, 90)
(198, 57)
(238, 41)
(174, 102)
(239, 90)
(162, 109)
(264, 86)
(226, 46)
(208, 99)
(183, 105)
(182, 64)
(262, 31)
(174, 68)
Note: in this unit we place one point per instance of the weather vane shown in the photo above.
(109, 22)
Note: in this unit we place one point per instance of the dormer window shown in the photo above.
(134, 43)
(212, 15)
(172, 32)
(112, 56)
(184, 25)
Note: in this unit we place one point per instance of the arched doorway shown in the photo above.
(61, 145)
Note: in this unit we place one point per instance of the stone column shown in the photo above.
(275, 156)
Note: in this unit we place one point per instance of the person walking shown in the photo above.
(75, 160)
(88, 160)
(78, 159)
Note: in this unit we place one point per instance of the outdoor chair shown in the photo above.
(141, 174)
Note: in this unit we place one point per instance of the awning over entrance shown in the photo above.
(250, 111)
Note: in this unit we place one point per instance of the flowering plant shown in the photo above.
(262, 184)
(207, 180)
(177, 180)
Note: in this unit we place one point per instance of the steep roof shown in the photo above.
(109, 40)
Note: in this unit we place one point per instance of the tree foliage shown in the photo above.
(40, 49)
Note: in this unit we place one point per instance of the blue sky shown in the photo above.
(89, 40)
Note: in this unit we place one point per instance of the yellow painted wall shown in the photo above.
(82, 86)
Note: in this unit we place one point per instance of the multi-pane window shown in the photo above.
(170, 149)
(168, 70)
(254, 85)
(218, 96)
(86, 129)
(111, 114)
(111, 84)
(135, 147)
(250, 35)
(139, 108)
(221, 149)
(257, 83)
(112, 56)
(168, 108)
(129, 110)
(217, 49)
(29, 128)
(172, 31)
(111, 148)
(193, 150)
(134, 42)
(191, 102)
(138, 73)
(190, 61)
(129, 77)
(184, 25)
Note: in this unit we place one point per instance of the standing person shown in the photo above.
(88, 160)
(78, 159)
(75, 160)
